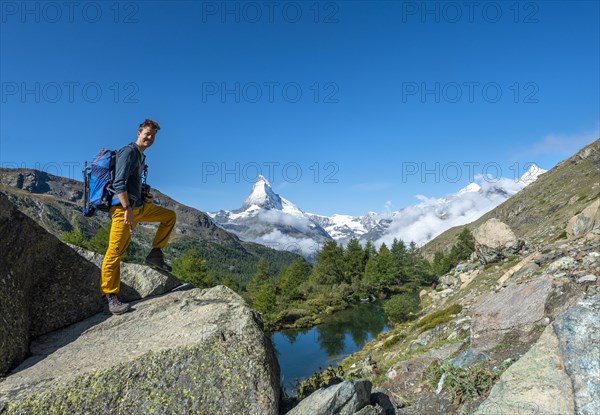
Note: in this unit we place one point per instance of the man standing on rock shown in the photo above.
(136, 206)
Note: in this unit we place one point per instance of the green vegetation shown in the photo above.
(329, 377)
(401, 307)
(298, 295)
(191, 268)
(464, 384)
(462, 250)
(438, 317)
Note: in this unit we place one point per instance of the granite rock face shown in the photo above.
(189, 351)
(44, 284)
(517, 309)
(494, 241)
(137, 281)
(579, 345)
(585, 222)
(346, 398)
(559, 374)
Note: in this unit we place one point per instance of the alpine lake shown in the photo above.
(304, 352)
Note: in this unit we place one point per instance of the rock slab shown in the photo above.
(517, 309)
(346, 398)
(559, 374)
(44, 284)
(137, 281)
(189, 351)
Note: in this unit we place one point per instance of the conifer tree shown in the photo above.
(354, 261)
(386, 267)
(290, 279)
(191, 268)
(329, 265)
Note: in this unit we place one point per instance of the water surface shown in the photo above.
(301, 353)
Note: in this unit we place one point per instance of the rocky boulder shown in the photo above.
(44, 284)
(559, 374)
(137, 281)
(494, 241)
(517, 309)
(579, 345)
(585, 222)
(346, 398)
(189, 351)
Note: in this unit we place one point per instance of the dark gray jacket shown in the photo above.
(128, 173)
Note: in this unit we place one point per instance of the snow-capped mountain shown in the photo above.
(432, 216)
(271, 220)
(268, 219)
(344, 227)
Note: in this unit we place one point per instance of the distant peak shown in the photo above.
(261, 178)
(262, 195)
(532, 174)
(470, 188)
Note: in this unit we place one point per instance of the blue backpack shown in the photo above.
(98, 178)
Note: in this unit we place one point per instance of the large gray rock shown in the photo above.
(517, 309)
(559, 374)
(189, 351)
(345, 398)
(137, 281)
(44, 284)
(494, 241)
(585, 222)
(536, 384)
(579, 344)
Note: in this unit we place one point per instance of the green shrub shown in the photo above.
(438, 317)
(401, 307)
(75, 237)
(191, 268)
(392, 341)
(466, 383)
(327, 378)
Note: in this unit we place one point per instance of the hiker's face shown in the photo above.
(146, 137)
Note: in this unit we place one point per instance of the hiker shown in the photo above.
(136, 206)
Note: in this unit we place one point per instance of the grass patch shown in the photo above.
(437, 317)
(392, 341)
(329, 377)
(562, 235)
(464, 384)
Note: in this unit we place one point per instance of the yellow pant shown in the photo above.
(120, 235)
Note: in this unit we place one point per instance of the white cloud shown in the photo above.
(432, 216)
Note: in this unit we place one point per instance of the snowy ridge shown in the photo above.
(269, 219)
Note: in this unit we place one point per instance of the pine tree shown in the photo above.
(265, 300)
(354, 261)
(291, 277)
(329, 266)
(191, 268)
(371, 277)
(260, 277)
(386, 267)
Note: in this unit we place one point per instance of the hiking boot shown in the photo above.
(156, 259)
(115, 306)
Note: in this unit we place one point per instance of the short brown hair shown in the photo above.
(149, 123)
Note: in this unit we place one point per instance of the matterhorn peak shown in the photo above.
(532, 174)
(262, 195)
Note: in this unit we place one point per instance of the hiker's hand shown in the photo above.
(129, 217)
(148, 198)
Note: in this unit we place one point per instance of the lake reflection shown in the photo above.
(301, 353)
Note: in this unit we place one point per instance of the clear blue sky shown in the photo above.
(456, 90)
